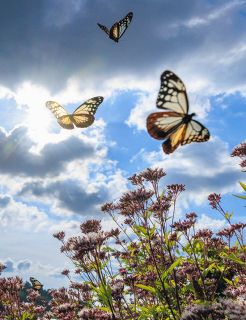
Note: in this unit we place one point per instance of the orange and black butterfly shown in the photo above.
(175, 126)
(119, 28)
(82, 117)
(36, 285)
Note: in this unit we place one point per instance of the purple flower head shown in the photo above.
(214, 200)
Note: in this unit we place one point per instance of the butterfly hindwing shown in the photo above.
(65, 122)
(172, 95)
(195, 132)
(174, 140)
(83, 120)
(118, 28)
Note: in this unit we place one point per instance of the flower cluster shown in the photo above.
(152, 266)
(240, 151)
(11, 306)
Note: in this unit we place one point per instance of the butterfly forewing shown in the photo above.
(161, 124)
(172, 95)
(105, 29)
(61, 114)
(124, 23)
(56, 109)
(195, 132)
(89, 107)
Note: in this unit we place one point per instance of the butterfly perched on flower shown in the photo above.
(82, 117)
(36, 285)
(175, 126)
(119, 28)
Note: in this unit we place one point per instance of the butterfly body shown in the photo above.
(118, 28)
(82, 117)
(187, 118)
(114, 31)
(176, 126)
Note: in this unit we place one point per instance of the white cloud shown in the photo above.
(145, 105)
(204, 168)
(18, 214)
(215, 14)
(206, 222)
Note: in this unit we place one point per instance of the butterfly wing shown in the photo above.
(175, 139)
(83, 121)
(172, 95)
(166, 125)
(172, 127)
(83, 116)
(105, 29)
(193, 131)
(61, 114)
(161, 125)
(119, 28)
(36, 285)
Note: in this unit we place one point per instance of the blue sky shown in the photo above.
(53, 179)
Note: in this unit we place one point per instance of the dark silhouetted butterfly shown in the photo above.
(82, 117)
(175, 126)
(119, 28)
(36, 285)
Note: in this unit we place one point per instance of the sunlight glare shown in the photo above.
(38, 117)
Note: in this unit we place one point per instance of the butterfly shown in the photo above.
(175, 126)
(82, 117)
(36, 285)
(119, 28)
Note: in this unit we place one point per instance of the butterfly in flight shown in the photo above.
(36, 285)
(119, 28)
(82, 117)
(175, 125)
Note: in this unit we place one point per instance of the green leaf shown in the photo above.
(140, 230)
(243, 185)
(233, 258)
(228, 281)
(147, 288)
(26, 316)
(241, 197)
(170, 269)
(152, 231)
(104, 294)
(211, 267)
